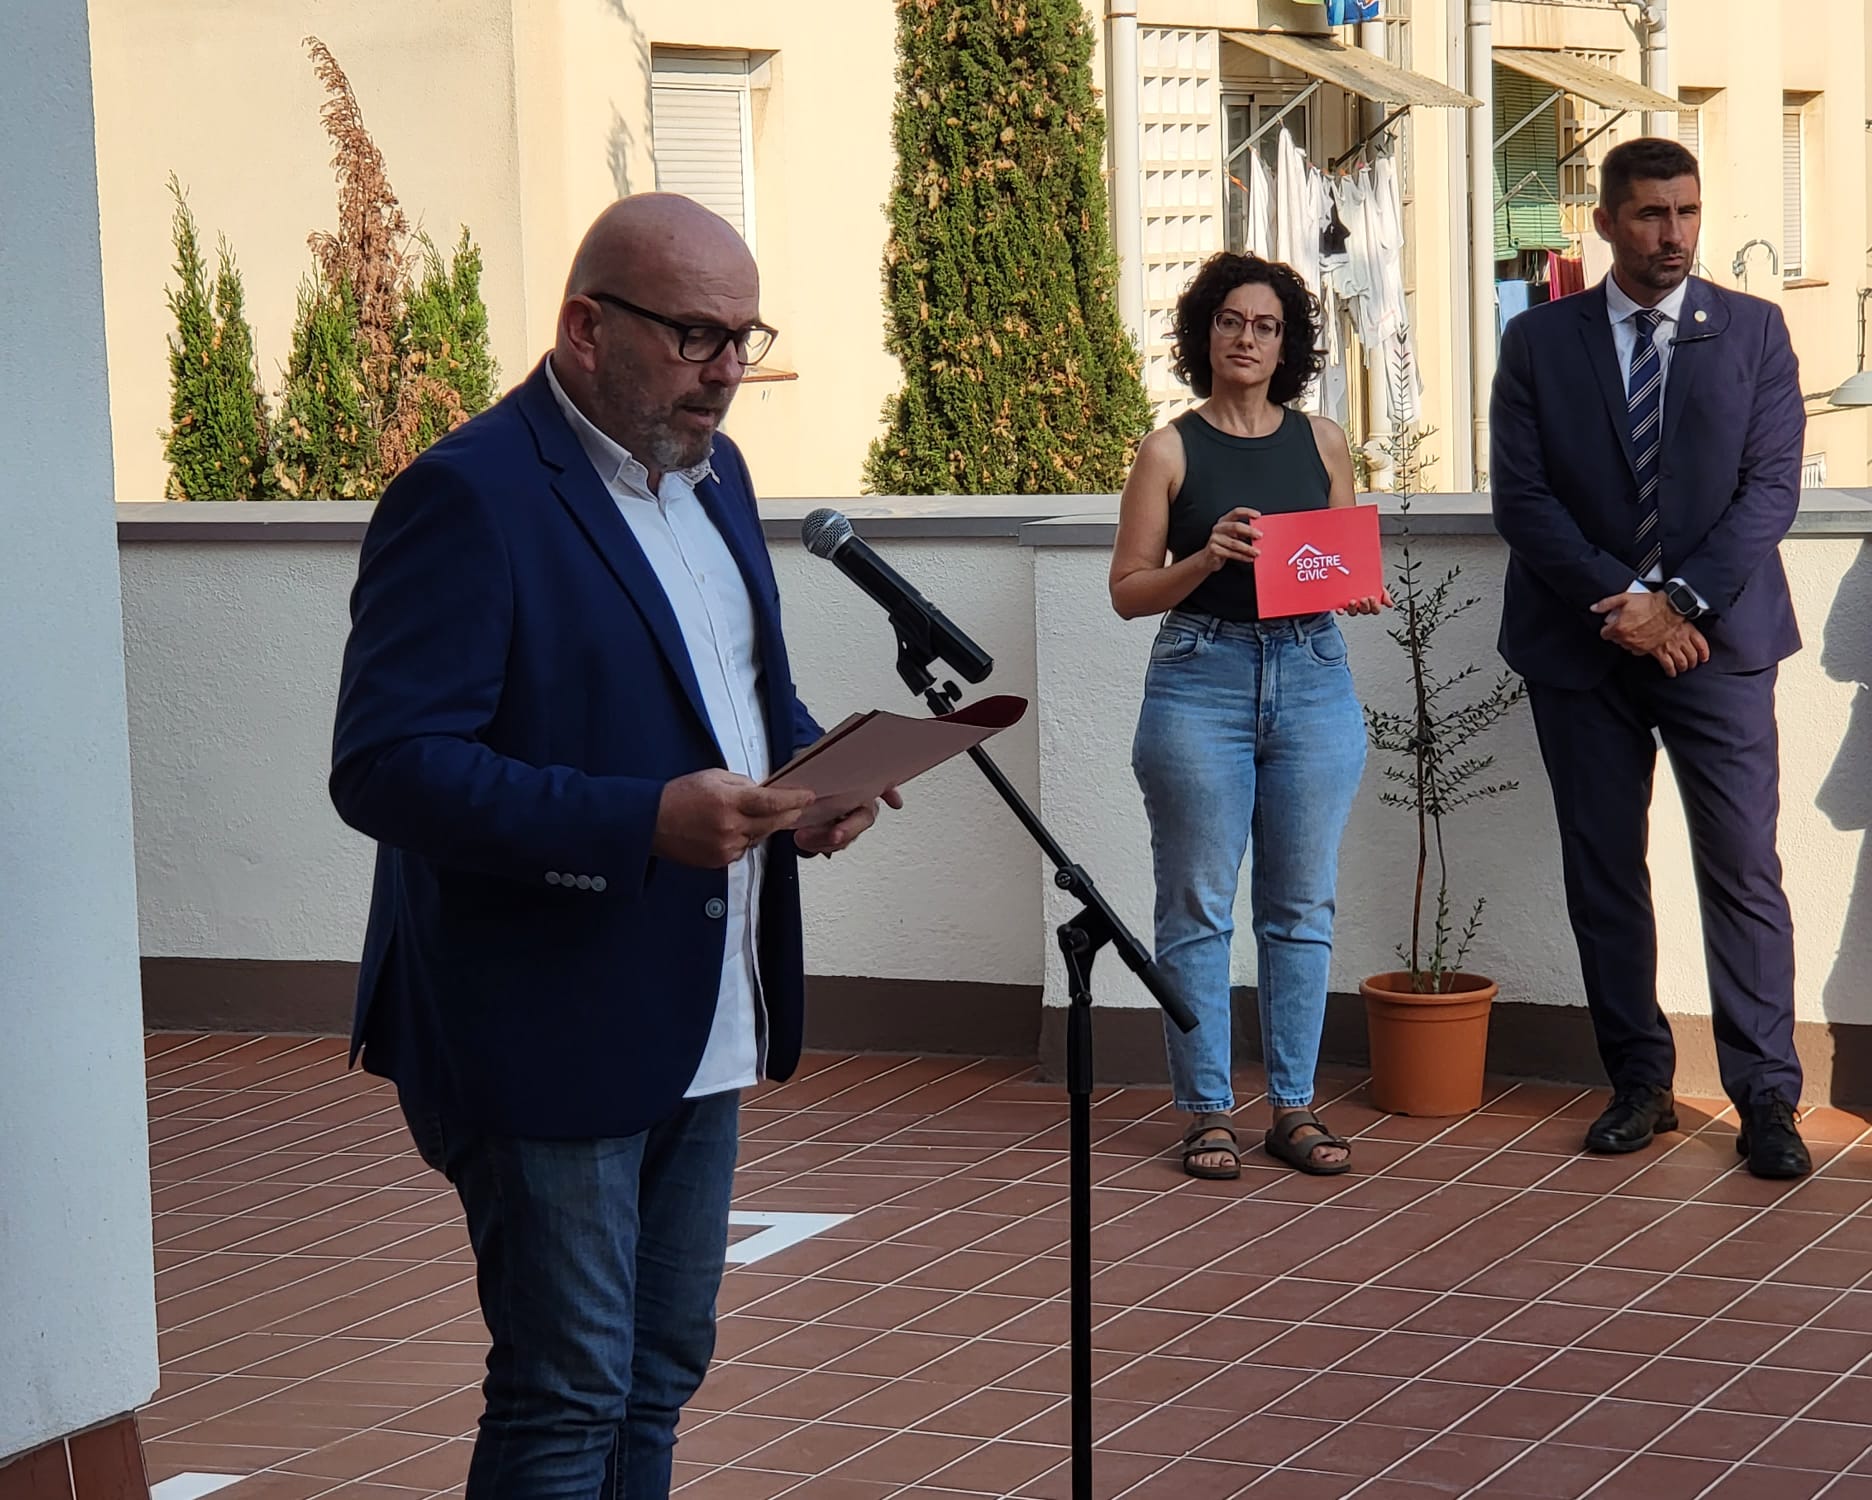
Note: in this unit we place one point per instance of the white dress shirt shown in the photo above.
(705, 589)
(1624, 312)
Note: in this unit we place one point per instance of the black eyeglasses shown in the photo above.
(701, 342)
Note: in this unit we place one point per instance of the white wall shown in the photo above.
(77, 1303)
(240, 855)
(233, 651)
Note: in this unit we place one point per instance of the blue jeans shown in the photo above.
(597, 1264)
(1249, 733)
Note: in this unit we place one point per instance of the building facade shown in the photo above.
(522, 118)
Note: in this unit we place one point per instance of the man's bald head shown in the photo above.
(652, 243)
(650, 267)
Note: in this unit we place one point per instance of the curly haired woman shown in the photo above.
(1250, 732)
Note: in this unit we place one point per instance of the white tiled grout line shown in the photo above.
(193, 1486)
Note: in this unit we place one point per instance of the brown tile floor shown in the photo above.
(1476, 1311)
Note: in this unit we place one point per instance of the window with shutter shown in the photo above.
(1690, 120)
(701, 137)
(1527, 168)
(1793, 193)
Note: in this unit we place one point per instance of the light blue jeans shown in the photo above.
(1249, 734)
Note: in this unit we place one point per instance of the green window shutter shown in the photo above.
(1530, 219)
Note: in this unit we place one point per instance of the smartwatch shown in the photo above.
(1682, 598)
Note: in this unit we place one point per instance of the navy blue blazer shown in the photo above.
(1565, 489)
(515, 694)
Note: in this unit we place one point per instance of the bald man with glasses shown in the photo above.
(564, 684)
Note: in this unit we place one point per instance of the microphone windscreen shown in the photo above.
(823, 531)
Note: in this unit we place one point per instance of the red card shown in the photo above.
(1317, 560)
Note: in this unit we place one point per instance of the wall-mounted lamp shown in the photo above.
(1740, 264)
(1857, 388)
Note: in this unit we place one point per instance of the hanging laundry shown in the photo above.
(1346, 12)
(1511, 299)
(1260, 207)
(1300, 192)
(1334, 236)
(1564, 276)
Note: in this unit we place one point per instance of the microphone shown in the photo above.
(828, 534)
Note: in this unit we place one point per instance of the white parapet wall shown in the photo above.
(235, 618)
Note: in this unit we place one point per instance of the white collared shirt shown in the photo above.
(710, 600)
(1623, 312)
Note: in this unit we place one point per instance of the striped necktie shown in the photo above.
(1644, 396)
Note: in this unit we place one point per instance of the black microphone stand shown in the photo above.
(1079, 942)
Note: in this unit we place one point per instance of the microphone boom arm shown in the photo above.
(1097, 924)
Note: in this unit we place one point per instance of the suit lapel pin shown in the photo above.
(1701, 316)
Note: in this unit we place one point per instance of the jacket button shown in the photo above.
(716, 908)
(553, 877)
(583, 882)
(598, 882)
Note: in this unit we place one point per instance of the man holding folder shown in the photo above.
(564, 686)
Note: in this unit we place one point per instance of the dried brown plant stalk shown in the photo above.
(370, 252)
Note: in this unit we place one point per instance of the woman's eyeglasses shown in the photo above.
(1230, 325)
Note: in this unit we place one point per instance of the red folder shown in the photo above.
(1317, 560)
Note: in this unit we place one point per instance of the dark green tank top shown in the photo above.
(1279, 472)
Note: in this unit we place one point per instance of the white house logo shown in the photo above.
(1311, 565)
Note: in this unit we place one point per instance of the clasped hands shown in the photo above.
(711, 819)
(1645, 625)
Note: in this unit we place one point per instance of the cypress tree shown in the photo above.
(1000, 278)
(448, 369)
(216, 445)
(326, 443)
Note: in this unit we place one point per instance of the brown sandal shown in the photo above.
(1280, 1144)
(1203, 1139)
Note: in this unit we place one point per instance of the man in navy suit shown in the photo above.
(1645, 464)
(564, 683)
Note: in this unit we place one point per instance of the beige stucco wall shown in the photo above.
(524, 117)
(822, 164)
(222, 93)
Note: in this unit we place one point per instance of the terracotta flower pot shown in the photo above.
(1428, 1052)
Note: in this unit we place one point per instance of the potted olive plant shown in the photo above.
(1428, 1020)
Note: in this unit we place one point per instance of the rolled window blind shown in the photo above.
(697, 142)
(1792, 174)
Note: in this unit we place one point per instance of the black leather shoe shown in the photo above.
(1633, 1117)
(1771, 1142)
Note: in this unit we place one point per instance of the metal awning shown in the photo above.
(1353, 69)
(1586, 80)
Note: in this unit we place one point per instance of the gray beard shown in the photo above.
(646, 430)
